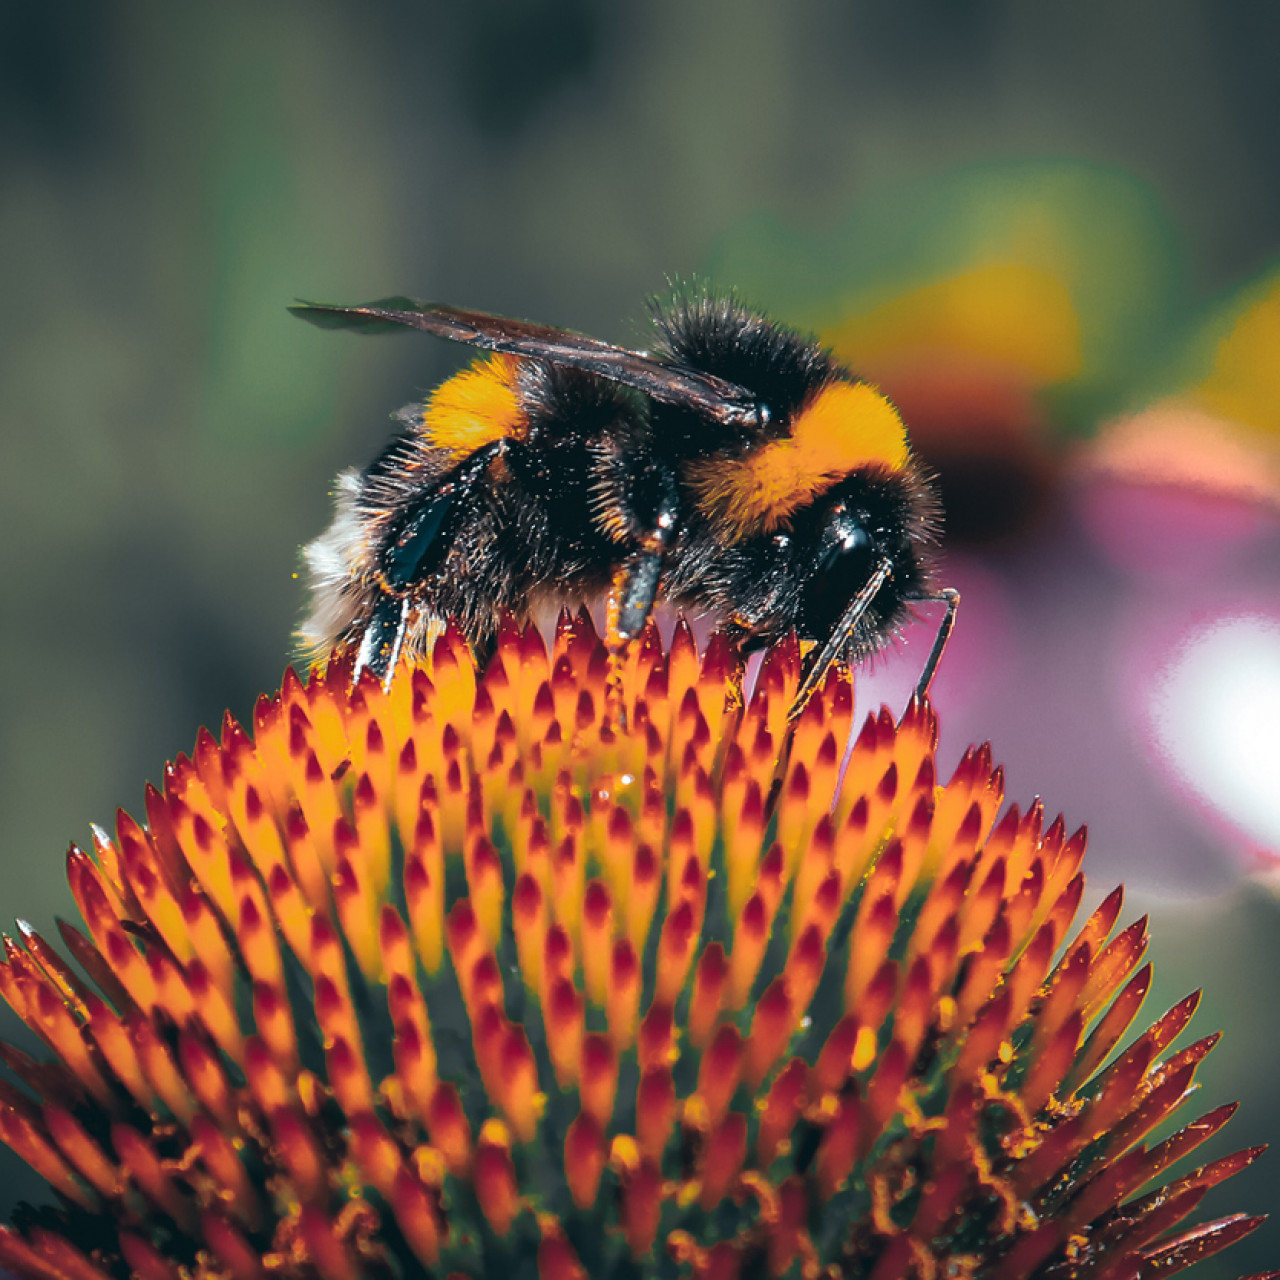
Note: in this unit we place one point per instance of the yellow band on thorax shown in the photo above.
(846, 426)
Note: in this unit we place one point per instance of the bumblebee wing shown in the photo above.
(724, 402)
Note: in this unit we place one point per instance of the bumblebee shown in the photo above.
(738, 469)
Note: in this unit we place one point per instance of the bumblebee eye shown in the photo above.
(841, 571)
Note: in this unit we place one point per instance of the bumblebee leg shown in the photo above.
(839, 638)
(420, 540)
(635, 588)
(951, 597)
(426, 530)
(383, 638)
(735, 706)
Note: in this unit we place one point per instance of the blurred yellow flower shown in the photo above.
(1243, 383)
(1004, 315)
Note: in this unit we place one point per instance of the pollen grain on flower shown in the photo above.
(462, 977)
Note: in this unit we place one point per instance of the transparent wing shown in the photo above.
(723, 402)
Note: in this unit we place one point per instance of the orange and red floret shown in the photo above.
(463, 971)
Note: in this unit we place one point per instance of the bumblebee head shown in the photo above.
(835, 545)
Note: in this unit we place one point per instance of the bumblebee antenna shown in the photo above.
(818, 668)
(839, 638)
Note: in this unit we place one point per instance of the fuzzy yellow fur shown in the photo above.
(846, 426)
(475, 407)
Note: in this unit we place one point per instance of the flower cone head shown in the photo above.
(474, 974)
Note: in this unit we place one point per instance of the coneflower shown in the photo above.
(464, 978)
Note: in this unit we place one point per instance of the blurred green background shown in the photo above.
(171, 176)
